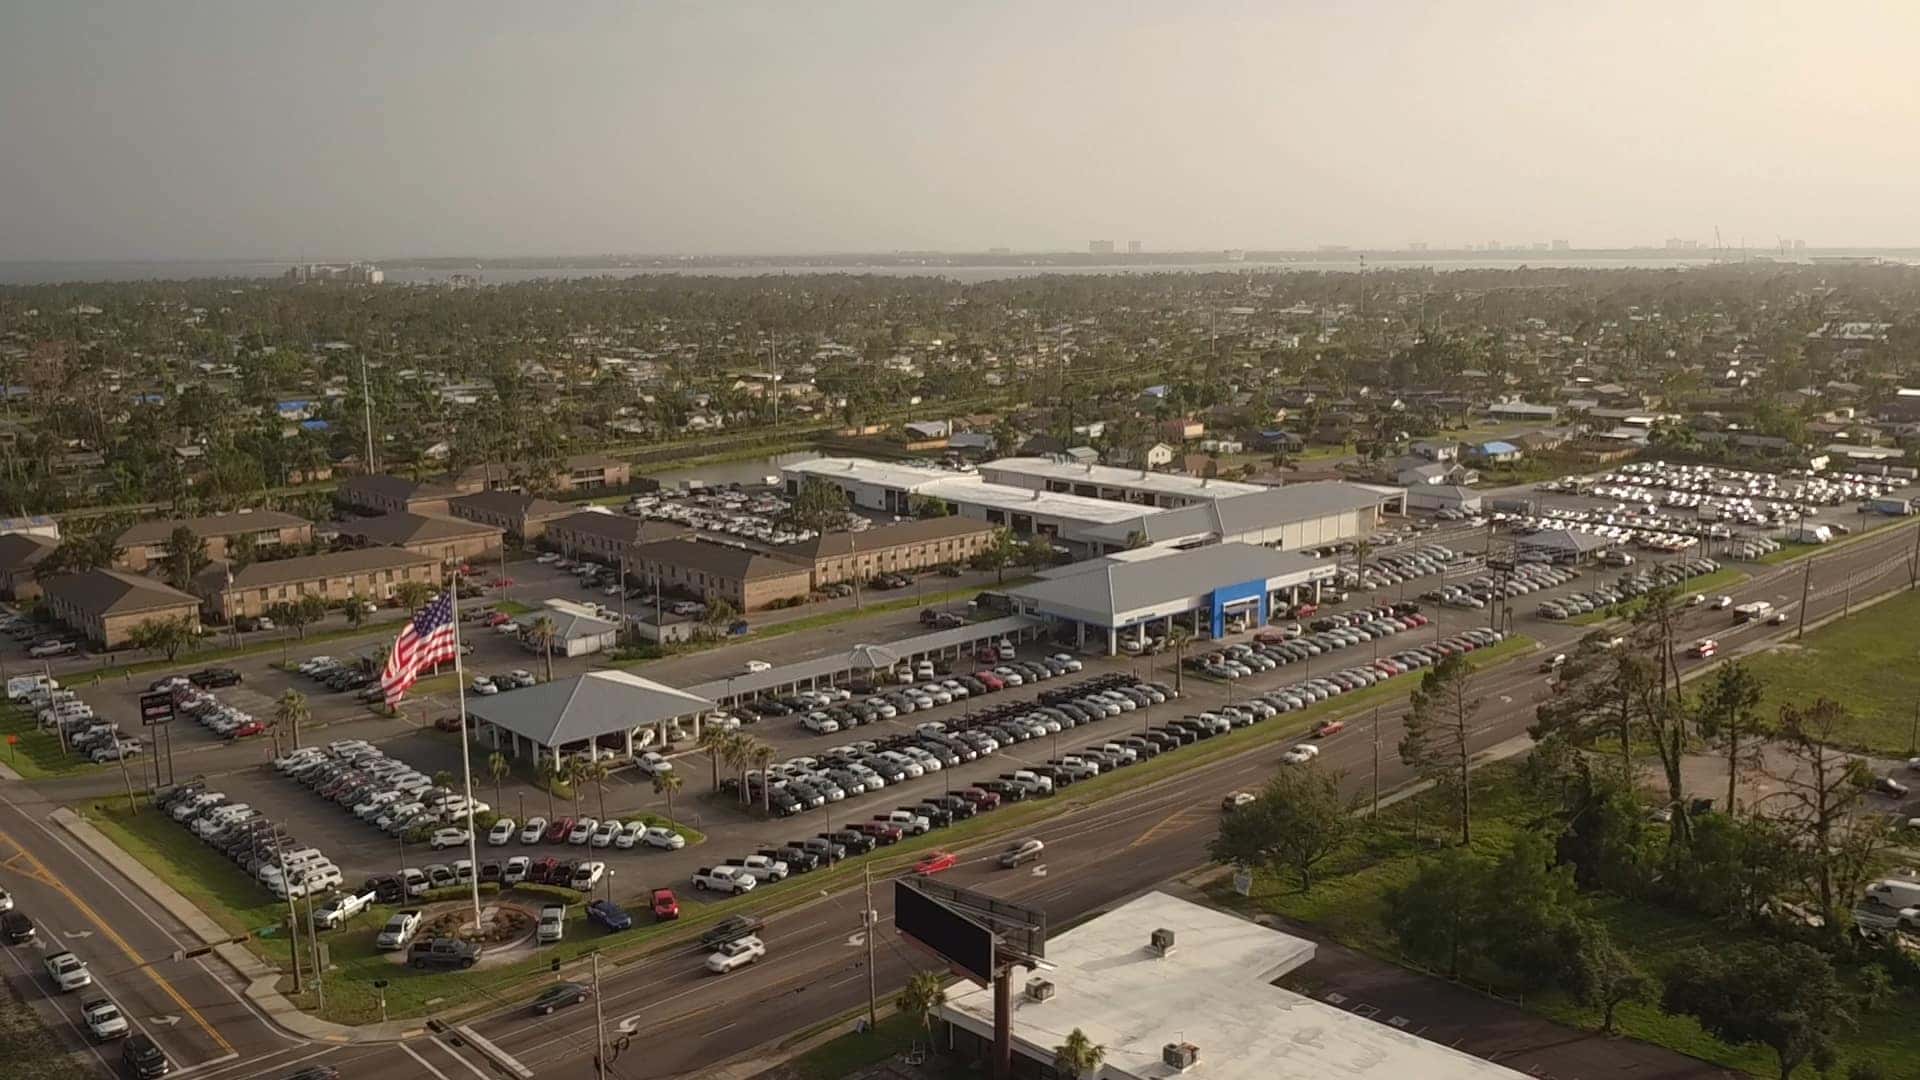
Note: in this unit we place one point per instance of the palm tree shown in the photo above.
(1079, 1056)
(579, 769)
(356, 610)
(498, 767)
(666, 783)
(763, 755)
(922, 998)
(541, 635)
(553, 772)
(413, 595)
(292, 711)
(1177, 637)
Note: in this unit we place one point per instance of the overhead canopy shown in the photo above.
(585, 707)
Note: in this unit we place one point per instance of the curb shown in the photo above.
(262, 981)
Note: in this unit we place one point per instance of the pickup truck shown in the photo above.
(906, 821)
(762, 868)
(443, 953)
(726, 879)
(399, 930)
(731, 929)
(334, 913)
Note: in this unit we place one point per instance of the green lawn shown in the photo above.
(1704, 585)
(512, 607)
(218, 647)
(33, 1052)
(857, 1050)
(1348, 902)
(37, 754)
(1868, 661)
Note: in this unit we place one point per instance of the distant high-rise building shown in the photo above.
(1562, 245)
(1133, 247)
(1099, 247)
(1417, 245)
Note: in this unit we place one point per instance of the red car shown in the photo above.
(1328, 727)
(934, 861)
(665, 904)
(557, 832)
(251, 727)
(1306, 610)
(501, 583)
(985, 800)
(880, 831)
(498, 618)
(989, 680)
(545, 871)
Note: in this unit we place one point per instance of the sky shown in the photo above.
(274, 129)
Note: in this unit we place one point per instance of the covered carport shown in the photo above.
(574, 715)
(862, 661)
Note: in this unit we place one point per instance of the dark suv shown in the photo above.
(214, 677)
(732, 928)
(143, 1058)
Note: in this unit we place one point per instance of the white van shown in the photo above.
(1896, 893)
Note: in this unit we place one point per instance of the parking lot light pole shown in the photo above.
(609, 879)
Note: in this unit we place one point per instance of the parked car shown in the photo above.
(613, 916)
(443, 953)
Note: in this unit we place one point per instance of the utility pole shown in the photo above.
(867, 920)
(599, 1022)
(293, 916)
(366, 401)
(1376, 763)
(1806, 585)
(319, 971)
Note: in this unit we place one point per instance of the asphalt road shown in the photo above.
(685, 1021)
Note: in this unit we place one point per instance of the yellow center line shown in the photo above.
(1170, 821)
(42, 873)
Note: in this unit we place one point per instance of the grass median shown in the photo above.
(34, 753)
(1868, 662)
(1704, 585)
(238, 904)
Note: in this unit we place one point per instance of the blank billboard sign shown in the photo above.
(966, 944)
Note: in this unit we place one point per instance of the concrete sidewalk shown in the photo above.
(262, 980)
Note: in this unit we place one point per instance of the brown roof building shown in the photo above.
(746, 579)
(516, 512)
(605, 536)
(383, 494)
(20, 558)
(146, 543)
(107, 605)
(369, 573)
(451, 540)
(912, 545)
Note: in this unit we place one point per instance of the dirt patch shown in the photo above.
(502, 925)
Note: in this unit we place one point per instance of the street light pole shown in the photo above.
(599, 1023)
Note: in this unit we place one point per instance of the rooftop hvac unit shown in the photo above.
(1161, 942)
(1180, 1056)
(1039, 990)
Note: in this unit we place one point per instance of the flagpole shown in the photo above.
(466, 758)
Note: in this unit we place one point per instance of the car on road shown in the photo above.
(67, 971)
(398, 931)
(731, 928)
(6, 900)
(1234, 800)
(143, 1058)
(103, 1019)
(935, 861)
(611, 915)
(736, 954)
(1722, 603)
(1301, 754)
(16, 927)
(1703, 648)
(561, 995)
(1887, 785)
(1324, 728)
(1021, 851)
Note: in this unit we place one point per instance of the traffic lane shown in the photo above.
(182, 1005)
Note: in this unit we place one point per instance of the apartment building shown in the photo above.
(606, 537)
(107, 605)
(516, 513)
(450, 540)
(903, 548)
(370, 573)
(746, 579)
(148, 543)
(383, 494)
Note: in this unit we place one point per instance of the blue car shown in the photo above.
(610, 915)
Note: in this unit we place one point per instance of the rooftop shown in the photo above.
(721, 560)
(310, 567)
(907, 532)
(585, 707)
(234, 524)
(1215, 991)
(409, 528)
(113, 592)
(1109, 476)
(1118, 586)
(619, 528)
(511, 504)
(1264, 508)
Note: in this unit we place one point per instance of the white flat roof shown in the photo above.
(868, 471)
(1019, 500)
(1213, 991)
(1109, 476)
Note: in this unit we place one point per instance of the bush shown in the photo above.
(559, 893)
(456, 892)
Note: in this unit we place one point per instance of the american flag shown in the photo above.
(429, 639)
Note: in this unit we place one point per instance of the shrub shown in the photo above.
(559, 893)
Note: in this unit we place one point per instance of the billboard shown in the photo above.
(964, 943)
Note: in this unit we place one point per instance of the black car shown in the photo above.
(215, 677)
(936, 814)
(143, 1058)
(16, 927)
(560, 995)
(732, 928)
(856, 843)
(386, 889)
(798, 860)
(1007, 792)
(960, 808)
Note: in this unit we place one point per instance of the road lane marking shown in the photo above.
(1170, 821)
(469, 1066)
(424, 1063)
(86, 1043)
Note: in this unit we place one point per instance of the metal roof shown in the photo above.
(585, 707)
(862, 658)
(1073, 472)
(1113, 587)
(1267, 508)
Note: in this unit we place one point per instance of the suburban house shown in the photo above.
(1157, 456)
(106, 605)
(20, 556)
(383, 494)
(911, 545)
(1496, 451)
(146, 543)
(1436, 449)
(1410, 472)
(1522, 410)
(746, 579)
(369, 573)
(450, 540)
(604, 536)
(577, 631)
(517, 513)
(586, 472)
(1182, 429)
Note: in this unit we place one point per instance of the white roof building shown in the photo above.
(1213, 990)
(1139, 486)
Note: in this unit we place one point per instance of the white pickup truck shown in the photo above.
(334, 914)
(726, 879)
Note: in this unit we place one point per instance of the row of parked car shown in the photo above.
(833, 709)
(342, 676)
(259, 845)
(1272, 648)
(386, 793)
(63, 712)
(1525, 578)
(1631, 584)
(1393, 568)
(203, 705)
(585, 832)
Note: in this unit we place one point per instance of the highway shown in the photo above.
(683, 1021)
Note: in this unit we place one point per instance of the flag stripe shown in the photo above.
(430, 638)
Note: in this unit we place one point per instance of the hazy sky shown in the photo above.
(344, 128)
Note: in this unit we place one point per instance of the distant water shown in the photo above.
(42, 273)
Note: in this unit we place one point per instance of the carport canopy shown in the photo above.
(583, 708)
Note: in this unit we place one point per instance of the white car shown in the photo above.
(1301, 754)
(664, 838)
(726, 879)
(583, 831)
(484, 686)
(736, 954)
(6, 900)
(653, 764)
(398, 931)
(547, 557)
(103, 1019)
(630, 835)
(516, 870)
(446, 838)
(604, 833)
(68, 971)
(755, 667)
(553, 923)
(535, 828)
(501, 832)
